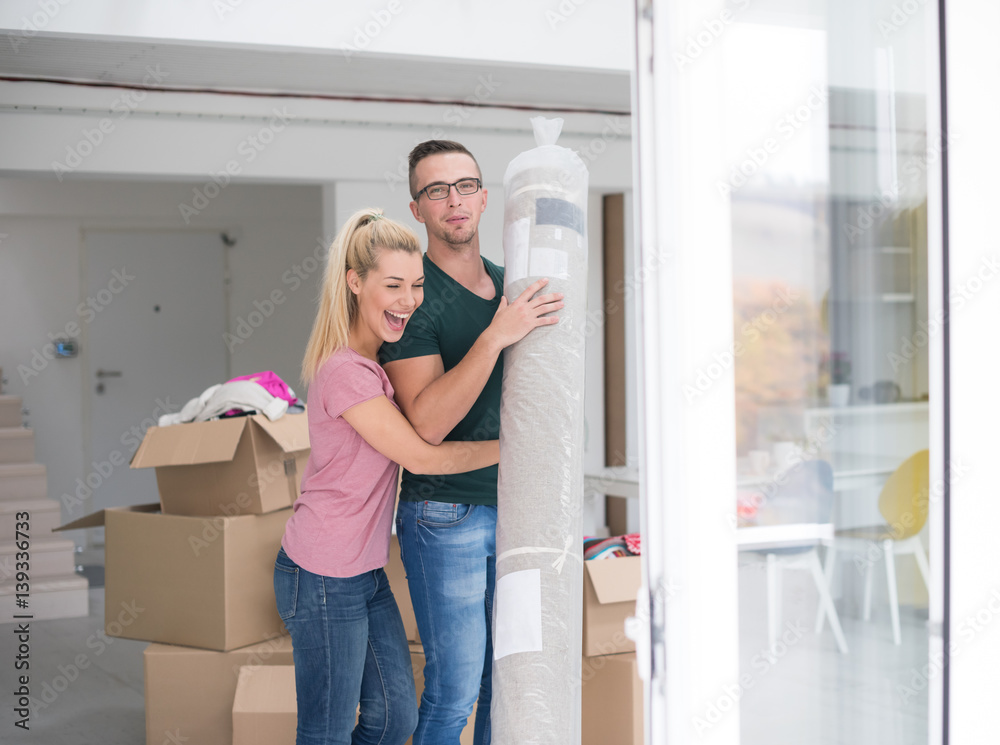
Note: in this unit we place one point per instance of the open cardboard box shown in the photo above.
(610, 587)
(236, 466)
(200, 582)
(190, 692)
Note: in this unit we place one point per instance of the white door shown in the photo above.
(154, 317)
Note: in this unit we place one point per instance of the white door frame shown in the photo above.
(687, 456)
(971, 627)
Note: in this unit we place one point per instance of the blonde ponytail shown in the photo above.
(356, 247)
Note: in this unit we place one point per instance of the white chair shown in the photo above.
(903, 503)
(792, 523)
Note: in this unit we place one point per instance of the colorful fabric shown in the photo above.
(619, 545)
(271, 383)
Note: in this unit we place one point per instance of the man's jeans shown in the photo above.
(449, 551)
(349, 646)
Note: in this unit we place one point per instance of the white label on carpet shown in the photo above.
(519, 613)
(515, 249)
(548, 262)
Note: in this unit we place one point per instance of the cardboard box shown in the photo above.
(264, 710)
(190, 692)
(17, 445)
(609, 590)
(200, 582)
(237, 466)
(23, 481)
(50, 597)
(45, 516)
(10, 411)
(401, 590)
(612, 701)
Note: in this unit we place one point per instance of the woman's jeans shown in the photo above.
(349, 646)
(449, 551)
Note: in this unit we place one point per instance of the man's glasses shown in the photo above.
(465, 187)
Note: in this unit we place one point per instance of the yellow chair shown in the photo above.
(903, 502)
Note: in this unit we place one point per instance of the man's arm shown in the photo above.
(435, 401)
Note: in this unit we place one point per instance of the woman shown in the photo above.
(348, 638)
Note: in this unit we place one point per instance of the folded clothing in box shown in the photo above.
(236, 466)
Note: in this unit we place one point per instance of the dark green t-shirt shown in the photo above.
(448, 323)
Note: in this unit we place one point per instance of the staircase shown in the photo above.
(37, 568)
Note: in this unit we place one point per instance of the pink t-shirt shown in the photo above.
(341, 522)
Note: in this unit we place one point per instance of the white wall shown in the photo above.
(554, 32)
(41, 229)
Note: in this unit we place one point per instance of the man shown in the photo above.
(446, 373)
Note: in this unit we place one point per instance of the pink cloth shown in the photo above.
(341, 523)
(271, 383)
(633, 542)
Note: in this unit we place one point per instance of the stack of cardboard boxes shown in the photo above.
(193, 573)
(33, 562)
(612, 691)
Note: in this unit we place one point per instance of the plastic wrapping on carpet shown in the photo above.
(537, 618)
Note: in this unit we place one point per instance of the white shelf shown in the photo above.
(904, 407)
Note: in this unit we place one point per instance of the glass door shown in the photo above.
(792, 426)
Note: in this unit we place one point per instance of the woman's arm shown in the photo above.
(388, 431)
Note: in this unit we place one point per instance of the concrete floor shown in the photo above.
(89, 688)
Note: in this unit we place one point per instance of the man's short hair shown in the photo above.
(435, 147)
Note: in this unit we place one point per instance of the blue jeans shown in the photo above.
(349, 647)
(449, 552)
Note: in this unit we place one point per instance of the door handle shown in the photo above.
(109, 373)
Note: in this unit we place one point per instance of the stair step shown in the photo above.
(44, 515)
(48, 598)
(17, 445)
(47, 557)
(23, 481)
(10, 411)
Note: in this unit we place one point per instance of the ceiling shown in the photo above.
(321, 73)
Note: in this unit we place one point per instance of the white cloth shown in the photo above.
(244, 395)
